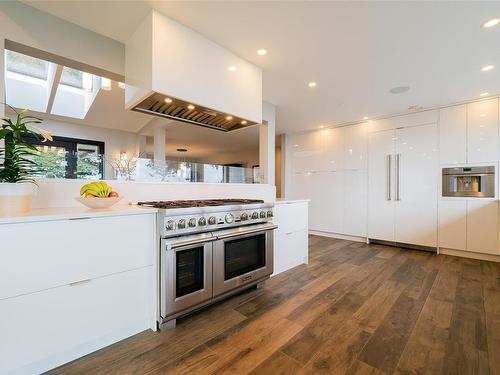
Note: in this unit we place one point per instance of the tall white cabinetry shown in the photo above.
(403, 181)
(469, 135)
(329, 168)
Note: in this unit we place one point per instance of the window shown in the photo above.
(69, 158)
(26, 65)
(76, 78)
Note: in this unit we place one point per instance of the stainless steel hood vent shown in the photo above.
(180, 110)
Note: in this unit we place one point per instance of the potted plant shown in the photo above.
(16, 164)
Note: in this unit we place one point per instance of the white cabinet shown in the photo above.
(482, 131)
(307, 152)
(355, 201)
(381, 149)
(291, 237)
(355, 147)
(482, 226)
(70, 287)
(45, 329)
(453, 135)
(403, 180)
(453, 224)
(332, 149)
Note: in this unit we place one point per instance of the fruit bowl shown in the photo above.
(98, 202)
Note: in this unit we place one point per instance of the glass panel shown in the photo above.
(244, 255)
(76, 78)
(26, 65)
(188, 271)
(51, 162)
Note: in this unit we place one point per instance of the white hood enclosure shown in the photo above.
(174, 72)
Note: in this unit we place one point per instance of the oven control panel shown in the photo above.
(194, 223)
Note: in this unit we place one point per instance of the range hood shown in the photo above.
(175, 73)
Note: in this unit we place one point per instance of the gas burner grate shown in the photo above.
(198, 203)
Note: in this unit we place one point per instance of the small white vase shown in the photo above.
(15, 199)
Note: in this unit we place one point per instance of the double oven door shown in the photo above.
(242, 256)
(197, 268)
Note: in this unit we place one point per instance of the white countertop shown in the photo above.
(289, 201)
(64, 213)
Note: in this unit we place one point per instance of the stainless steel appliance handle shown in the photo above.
(248, 231)
(181, 243)
(388, 162)
(398, 180)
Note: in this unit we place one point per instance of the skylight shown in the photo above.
(46, 87)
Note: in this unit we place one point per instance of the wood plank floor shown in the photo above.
(355, 309)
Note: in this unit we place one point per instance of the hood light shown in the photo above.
(168, 100)
(190, 107)
(244, 122)
(483, 94)
(229, 118)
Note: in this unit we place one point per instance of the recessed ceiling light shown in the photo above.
(121, 85)
(168, 100)
(229, 118)
(399, 89)
(232, 68)
(191, 107)
(312, 84)
(295, 145)
(483, 94)
(261, 52)
(487, 68)
(321, 126)
(490, 23)
(244, 122)
(365, 118)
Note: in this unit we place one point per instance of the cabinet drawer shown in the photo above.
(37, 256)
(291, 217)
(46, 329)
(290, 250)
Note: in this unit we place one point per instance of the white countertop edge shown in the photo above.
(289, 201)
(65, 213)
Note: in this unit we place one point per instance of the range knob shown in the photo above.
(202, 221)
(170, 225)
(269, 213)
(244, 216)
(262, 214)
(229, 218)
(212, 220)
(255, 215)
(192, 222)
(181, 224)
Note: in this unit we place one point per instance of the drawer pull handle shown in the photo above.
(80, 282)
(289, 233)
(79, 218)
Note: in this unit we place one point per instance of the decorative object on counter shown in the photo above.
(98, 194)
(16, 162)
(123, 167)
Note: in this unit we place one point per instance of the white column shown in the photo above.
(141, 145)
(266, 143)
(159, 143)
(2, 81)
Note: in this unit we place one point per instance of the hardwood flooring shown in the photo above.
(354, 309)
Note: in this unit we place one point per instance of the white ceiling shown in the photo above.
(356, 51)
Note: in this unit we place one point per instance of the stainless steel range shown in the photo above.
(209, 250)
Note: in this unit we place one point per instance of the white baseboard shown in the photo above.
(469, 254)
(338, 236)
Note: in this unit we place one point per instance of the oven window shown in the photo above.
(244, 255)
(189, 271)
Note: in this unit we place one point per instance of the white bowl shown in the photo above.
(98, 202)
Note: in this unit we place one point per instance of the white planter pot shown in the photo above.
(15, 199)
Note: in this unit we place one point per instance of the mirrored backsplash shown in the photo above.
(53, 162)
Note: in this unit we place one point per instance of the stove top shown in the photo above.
(198, 203)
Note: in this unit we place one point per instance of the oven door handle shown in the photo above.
(178, 244)
(245, 232)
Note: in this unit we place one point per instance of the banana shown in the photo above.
(96, 189)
